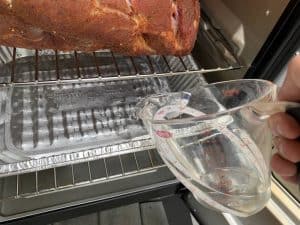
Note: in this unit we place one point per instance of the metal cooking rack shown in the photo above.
(169, 69)
(210, 42)
(82, 174)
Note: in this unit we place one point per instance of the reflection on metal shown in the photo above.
(283, 206)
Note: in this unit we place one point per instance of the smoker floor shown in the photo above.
(170, 211)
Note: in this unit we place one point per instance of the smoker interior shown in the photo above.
(96, 178)
(167, 211)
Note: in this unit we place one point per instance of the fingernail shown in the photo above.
(274, 128)
(275, 131)
(278, 143)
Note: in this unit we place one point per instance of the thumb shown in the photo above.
(290, 90)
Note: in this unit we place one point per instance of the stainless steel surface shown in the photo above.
(246, 25)
(127, 215)
(153, 213)
(84, 196)
(170, 210)
(48, 66)
(148, 213)
(74, 175)
(30, 202)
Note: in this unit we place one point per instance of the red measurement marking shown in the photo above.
(243, 145)
(231, 92)
(246, 141)
(161, 112)
(163, 134)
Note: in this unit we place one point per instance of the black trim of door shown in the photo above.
(280, 46)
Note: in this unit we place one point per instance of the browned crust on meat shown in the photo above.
(130, 27)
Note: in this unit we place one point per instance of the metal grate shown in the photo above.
(81, 174)
(45, 66)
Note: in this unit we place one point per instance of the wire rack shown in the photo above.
(25, 66)
(92, 67)
(81, 174)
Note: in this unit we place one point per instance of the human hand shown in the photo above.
(286, 128)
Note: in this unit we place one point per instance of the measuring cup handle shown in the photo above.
(295, 113)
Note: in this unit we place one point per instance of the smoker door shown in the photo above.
(280, 46)
(271, 63)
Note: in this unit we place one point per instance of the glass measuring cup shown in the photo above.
(216, 140)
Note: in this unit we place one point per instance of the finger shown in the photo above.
(282, 166)
(293, 179)
(284, 125)
(288, 149)
(290, 90)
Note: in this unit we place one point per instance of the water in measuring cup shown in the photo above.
(235, 188)
(215, 143)
(226, 174)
